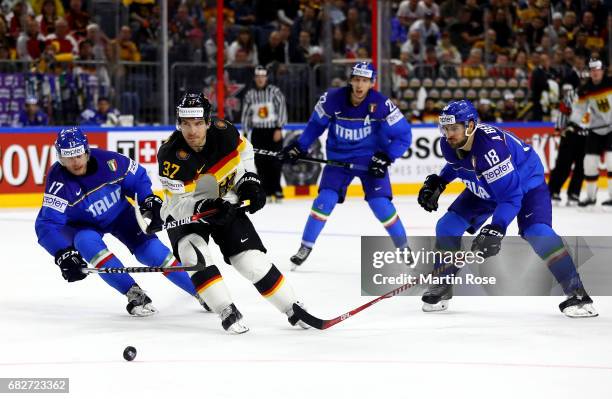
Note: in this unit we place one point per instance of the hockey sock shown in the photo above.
(275, 289)
(449, 230)
(210, 286)
(591, 175)
(385, 212)
(550, 248)
(105, 258)
(155, 253)
(89, 243)
(322, 207)
(268, 280)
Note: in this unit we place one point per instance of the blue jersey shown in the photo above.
(499, 168)
(357, 131)
(95, 118)
(94, 200)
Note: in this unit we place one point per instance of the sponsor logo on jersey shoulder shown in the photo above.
(498, 171)
(112, 165)
(174, 186)
(319, 110)
(56, 203)
(394, 117)
(182, 155)
(220, 124)
(133, 167)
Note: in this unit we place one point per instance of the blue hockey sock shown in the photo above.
(385, 212)
(322, 207)
(550, 248)
(449, 230)
(89, 243)
(155, 253)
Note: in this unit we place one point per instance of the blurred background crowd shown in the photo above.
(98, 61)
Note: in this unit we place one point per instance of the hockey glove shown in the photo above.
(379, 164)
(150, 209)
(430, 192)
(71, 264)
(291, 153)
(250, 188)
(225, 211)
(488, 240)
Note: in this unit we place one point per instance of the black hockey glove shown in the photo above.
(379, 164)
(71, 263)
(291, 153)
(488, 241)
(225, 211)
(430, 192)
(250, 188)
(150, 209)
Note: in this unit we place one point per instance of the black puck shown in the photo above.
(129, 353)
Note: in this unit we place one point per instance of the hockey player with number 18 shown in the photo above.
(504, 179)
(364, 128)
(85, 198)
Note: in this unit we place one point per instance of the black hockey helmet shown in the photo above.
(193, 105)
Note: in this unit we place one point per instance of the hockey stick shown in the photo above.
(206, 187)
(339, 164)
(322, 324)
(200, 265)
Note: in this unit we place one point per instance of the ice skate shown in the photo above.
(578, 304)
(230, 320)
(555, 199)
(301, 255)
(139, 303)
(436, 298)
(293, 319)
(572, 200)
(587, 203)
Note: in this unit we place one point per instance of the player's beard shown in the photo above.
(455, 145)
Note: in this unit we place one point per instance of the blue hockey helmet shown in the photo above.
(71, 142)
(461, 111)
(365, 69)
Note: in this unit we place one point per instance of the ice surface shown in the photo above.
(483, 347)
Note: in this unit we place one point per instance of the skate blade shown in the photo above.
(577, 312)
(237, 328)
(294, 266)
(143, 311)
(436, 307)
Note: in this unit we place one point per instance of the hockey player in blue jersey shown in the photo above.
(85, 198)
(504, 180)
(364, 128)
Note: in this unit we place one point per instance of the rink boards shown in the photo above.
(26, 154)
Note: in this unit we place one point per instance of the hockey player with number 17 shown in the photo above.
(504, 179)
(85, 198)
(364, 128)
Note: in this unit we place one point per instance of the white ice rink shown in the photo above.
(483, 347)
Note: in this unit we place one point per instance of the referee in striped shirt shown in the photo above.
(264, 113)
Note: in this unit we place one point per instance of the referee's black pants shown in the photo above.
(571, 151)
(268, 168)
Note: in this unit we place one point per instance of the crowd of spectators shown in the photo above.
(481, 49)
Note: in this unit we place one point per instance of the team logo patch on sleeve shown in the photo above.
(220, 124)
(56, 203)
(112, 165)
(498, 171)
(394, 117)
(182, 155)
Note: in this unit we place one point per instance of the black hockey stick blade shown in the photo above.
(307, 318)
